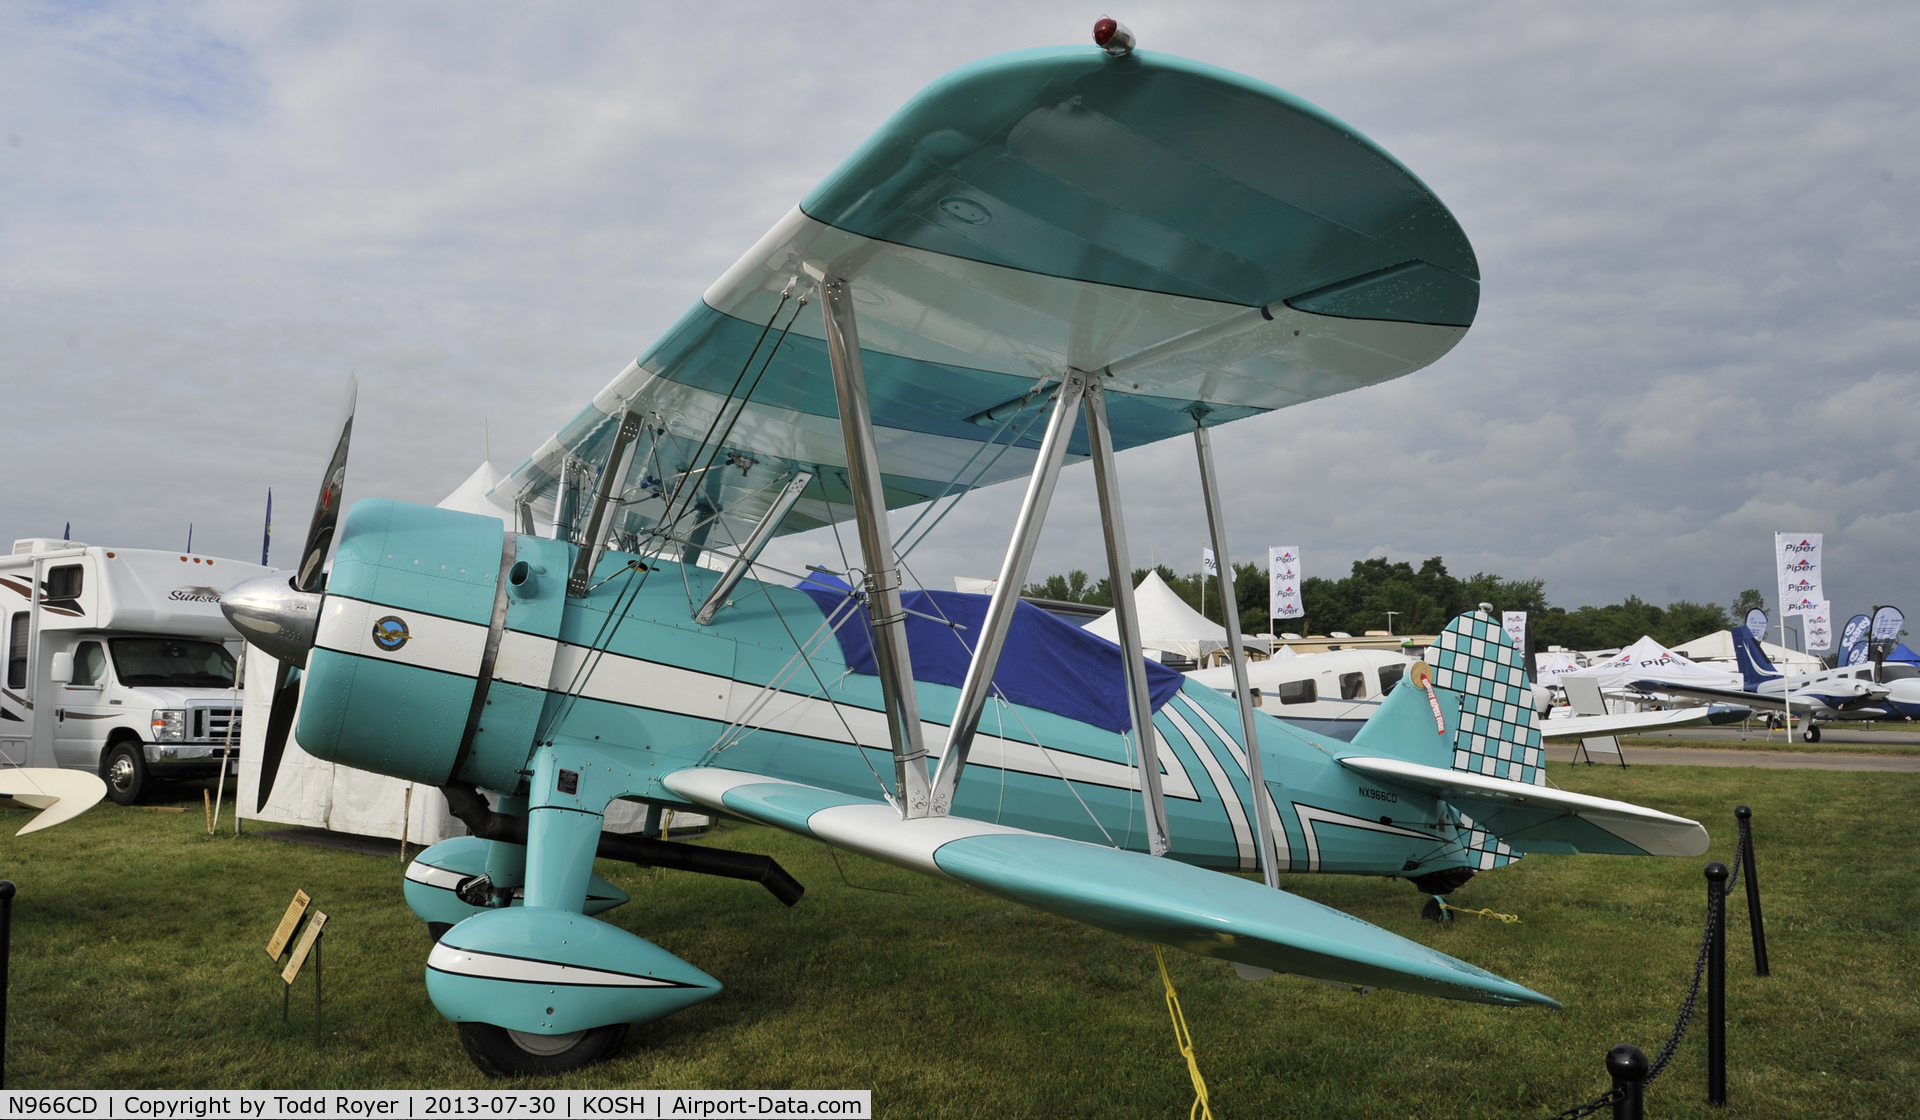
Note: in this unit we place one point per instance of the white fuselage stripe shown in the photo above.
(1236, 813)
(444, 645)
(1310, 817)
(489, 966)
(1283, 849)
(448, 645)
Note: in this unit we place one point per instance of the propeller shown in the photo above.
(281, 615)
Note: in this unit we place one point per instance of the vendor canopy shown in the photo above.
(1647, 659)
(1168, 624)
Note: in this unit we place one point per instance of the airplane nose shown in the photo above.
(271, 613)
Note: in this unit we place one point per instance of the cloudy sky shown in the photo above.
(1698, 228)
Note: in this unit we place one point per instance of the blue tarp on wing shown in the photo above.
(1048, 663)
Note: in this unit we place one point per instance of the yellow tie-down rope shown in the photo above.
(1185, 1038)
(1510, 919)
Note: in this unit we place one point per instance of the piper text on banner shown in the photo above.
(1283, 582)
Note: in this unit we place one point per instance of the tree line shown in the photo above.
(1421, 601)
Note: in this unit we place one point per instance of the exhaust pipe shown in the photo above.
(472, 810)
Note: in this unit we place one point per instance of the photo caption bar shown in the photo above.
(375, 1104)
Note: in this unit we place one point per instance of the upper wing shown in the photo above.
(1160, 900)
(1217, 245)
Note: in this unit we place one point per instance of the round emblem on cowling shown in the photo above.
(390, 633)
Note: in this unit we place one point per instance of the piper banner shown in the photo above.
(1819, 627)
(1208, 566)
(1515, 624)
(1283, 582)
(1797, 560)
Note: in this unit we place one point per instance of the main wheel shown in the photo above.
(500, 1052)
(125, 773)
(1812, 733)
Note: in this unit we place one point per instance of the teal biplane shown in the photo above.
(1044, 257)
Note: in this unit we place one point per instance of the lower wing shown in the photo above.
(1161, 900)
(1574, 727)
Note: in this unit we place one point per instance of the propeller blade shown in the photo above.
(60, 795)
(286, 696)
(326, 510)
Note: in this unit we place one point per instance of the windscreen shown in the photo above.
(171, 663)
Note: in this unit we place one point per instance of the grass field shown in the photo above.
(138, 962)
(1758, 741)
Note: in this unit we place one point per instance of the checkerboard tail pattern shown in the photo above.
(1483, 849)
(1476, 659)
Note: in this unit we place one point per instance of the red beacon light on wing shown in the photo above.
(1113, 37)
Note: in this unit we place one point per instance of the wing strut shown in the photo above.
(595, 541)
(876, 546)
(1006, 590)
(1217, 523)
(1120, 578)
(762, 533)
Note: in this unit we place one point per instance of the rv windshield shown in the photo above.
(171, 663)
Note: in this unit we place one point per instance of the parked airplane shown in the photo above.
(1146, 244)
(1335, 693)
(1332, 693)
(1847, 693)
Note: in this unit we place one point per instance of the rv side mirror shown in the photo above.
(62, 667)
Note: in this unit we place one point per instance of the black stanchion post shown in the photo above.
(1717, 984)
(1753, 890)
(7, 890)
(1627, 1065)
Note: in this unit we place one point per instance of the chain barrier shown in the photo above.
(1616, 1094)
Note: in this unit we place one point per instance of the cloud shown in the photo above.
(1697, 228)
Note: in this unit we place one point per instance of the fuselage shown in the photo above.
(406, 624)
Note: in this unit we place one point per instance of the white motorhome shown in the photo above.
(1331, 693)
(119, 662)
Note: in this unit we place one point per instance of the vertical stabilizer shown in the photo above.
(1755, 669)
(1475, 658)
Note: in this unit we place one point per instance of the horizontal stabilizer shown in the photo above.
(1543, 819)
(1130, 893)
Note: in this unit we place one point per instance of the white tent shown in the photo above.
(1551, 666)
(1647, 659)
(471, 496)
(1169, 625)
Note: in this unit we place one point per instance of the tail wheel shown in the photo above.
(500, 1052)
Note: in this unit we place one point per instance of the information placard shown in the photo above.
(307, 937)
(277, 944)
